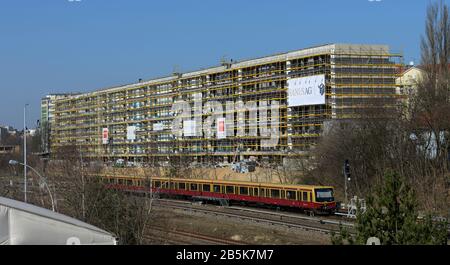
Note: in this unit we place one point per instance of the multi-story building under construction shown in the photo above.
(270, 108)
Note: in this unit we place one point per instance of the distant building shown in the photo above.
(407, 83)
(3, 134)
(48, 117)
(11, 130)
(9, 149)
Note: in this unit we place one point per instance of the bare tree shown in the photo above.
(416, 145)
(83, 194)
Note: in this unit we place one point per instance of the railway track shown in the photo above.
(177, 237)
(313, 224)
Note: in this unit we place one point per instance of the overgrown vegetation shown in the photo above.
(84, 196)
(412, 140)
(392, 216)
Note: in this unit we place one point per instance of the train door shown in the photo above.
(255, 192)
(305, 196)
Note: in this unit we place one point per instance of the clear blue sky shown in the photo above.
(49, 46)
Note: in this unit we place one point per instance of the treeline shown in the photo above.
(412, 140)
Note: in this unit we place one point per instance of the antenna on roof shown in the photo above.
(176, 71)
(224, 62)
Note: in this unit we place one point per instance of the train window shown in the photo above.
(324, 195)
(121, 181)
(309, 196)
(172, 185)
(216, 188)
(290, 195)
(263, 193)
(255, 191)
(275, 193)
(157, 184)
(193, 186)
(182, 186)
(229, 189)
(147, 183)
(206, 187)
(243, 190)
(129, 182)
(283, 194)
(305, 196)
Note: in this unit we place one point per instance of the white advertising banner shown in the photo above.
(221, 128)
(305, 91)
(105, 136)
(189, 128)
(158, 127)
(131, 133)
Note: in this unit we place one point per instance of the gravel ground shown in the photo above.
(231, 228)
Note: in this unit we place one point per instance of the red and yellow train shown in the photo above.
(309, 198)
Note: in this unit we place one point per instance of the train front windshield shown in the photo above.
(324, 195)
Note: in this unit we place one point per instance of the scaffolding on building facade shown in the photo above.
(357, 77)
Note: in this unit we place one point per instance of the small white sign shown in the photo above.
(105, 136)
(221, 128)
(158, 127)
(189, 128)
(131, 133)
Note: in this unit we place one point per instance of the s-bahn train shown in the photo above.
(309, 198)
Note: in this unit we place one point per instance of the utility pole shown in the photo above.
(25, 151)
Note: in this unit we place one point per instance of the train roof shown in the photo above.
(261, 184)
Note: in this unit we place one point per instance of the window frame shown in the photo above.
(243, 193)
(206, 185)
(192, 185)
(230, 186)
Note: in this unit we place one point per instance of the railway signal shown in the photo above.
(346, 172)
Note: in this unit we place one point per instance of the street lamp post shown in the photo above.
(25, 150)
(42, 179)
